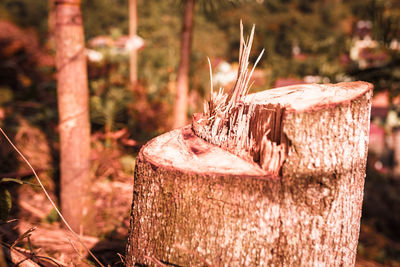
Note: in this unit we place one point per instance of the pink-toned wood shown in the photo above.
(73, 109)
(310, 96)
(254, 129)
(201, 204)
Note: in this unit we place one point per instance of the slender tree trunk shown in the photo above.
(396, 148)
(182, 85)
(132, 34)
(51, 22)
(74, 127)
(2, 258)
(196, 204)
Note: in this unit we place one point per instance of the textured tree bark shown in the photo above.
(291, 196)
(182, 83)
(74, 127)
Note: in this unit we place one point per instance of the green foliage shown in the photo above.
(52, 217)
(316, 27)
(109, 90)
(280, 25)
(384, 14)
(6, 95)
(128, 163)
(108, 108)
(26, 13)
(159, 25)
(385, 18)
(101, 16)
(5, 196)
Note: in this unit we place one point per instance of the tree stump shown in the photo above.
(278, 183)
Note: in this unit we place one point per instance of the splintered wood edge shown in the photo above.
(181, 150)
(253, 129)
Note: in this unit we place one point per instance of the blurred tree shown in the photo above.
(182, 84)
(132, 34)
(51, 22)
(73, 110)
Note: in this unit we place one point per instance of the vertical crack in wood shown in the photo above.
(253, 132)
(250, 131)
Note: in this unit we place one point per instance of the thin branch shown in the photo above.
(211, 81)
(51, 201)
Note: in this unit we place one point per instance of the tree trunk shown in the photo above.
(74, 127)
(396, 150)
(132, 34)
(2, 258)
(196, 204)
(182, 84)
(51, 23)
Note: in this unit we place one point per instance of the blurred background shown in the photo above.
(306, 41)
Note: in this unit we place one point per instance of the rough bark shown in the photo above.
(182, 84)
(74, 127)
(196, 204)
(132, 34)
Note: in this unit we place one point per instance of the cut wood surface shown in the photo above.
(196, 203)
(254, 129)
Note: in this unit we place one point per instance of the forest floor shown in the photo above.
(35, 231)
(42, 240)
(39, 236)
